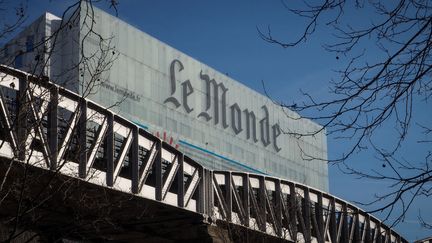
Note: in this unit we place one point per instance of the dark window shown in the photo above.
(30, 43)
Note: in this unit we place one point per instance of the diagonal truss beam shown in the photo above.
(36, 129)
(5, 118)
(97, 143)
(192, 186)
(170, 177)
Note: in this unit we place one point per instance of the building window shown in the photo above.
(30, 43)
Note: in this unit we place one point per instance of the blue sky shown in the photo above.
(223, 35)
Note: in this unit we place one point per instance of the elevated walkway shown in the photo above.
(71, 143)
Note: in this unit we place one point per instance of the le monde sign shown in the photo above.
(268, 134)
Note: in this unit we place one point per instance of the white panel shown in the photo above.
(270, 185)
(9, 81)
(220, 178)
(238, 180)
(254, 182)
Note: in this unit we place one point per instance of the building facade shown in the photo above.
(212, 118)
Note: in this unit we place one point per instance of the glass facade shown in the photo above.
(212, 118)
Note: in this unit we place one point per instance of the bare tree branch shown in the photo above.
(387, 75)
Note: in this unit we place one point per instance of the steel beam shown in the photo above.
(246, 197)
(134, 160)
(22, 118)
(158, 172)
(53, 127)
(180, 182)
(109, 150)
(82, 139)
(228, 195)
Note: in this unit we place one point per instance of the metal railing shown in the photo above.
(53, 128)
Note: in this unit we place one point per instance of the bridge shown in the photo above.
(51, 131)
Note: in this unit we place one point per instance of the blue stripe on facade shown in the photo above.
(141, 125)
(221, 157)
(211, 153)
